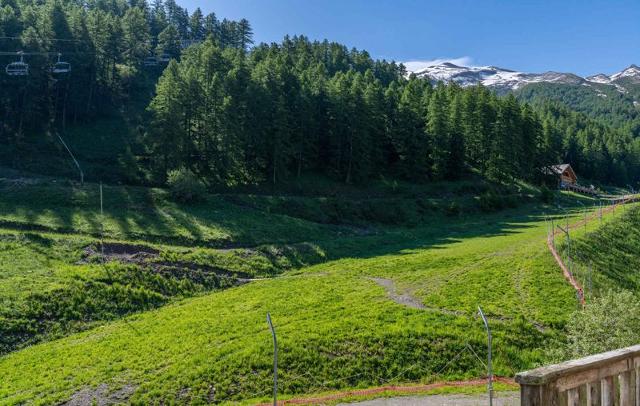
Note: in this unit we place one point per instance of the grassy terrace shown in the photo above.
(343, 305)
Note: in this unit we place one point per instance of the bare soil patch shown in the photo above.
(127, 253)
(101, 396)
(149, 257)
(404, 299)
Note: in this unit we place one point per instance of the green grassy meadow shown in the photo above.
(161, 331)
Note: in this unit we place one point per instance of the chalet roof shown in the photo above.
(556, 169)
(560, 169)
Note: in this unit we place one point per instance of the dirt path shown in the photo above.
(405, 299)
(501, 399)
(415, 389)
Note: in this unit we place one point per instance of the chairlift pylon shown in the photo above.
(18, 68)
(60, 66)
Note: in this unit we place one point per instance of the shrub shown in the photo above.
(385, 212)
(491, 201)
(453, 209)
(495, 200)
(546, 194)
(185, 186)
(425, 205)
(607, 323)
(299, 208)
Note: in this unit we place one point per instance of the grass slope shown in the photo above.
(145, 214)
(337, 327)
(606, 258)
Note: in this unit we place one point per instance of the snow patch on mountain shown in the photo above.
(621, 89)
(631, 74)
(417, 65)
(495, 77)
(599, 78)
(632, 71)
(492, 76)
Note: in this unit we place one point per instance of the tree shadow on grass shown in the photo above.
(146, 214)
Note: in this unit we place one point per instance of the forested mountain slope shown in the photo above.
(109, 46)
(613, 105)
(287, 109)
(235, 115)
(613, 99)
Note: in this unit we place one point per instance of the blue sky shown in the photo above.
(584, 37)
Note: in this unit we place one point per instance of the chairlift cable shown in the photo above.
(46, 39)
(18, 53)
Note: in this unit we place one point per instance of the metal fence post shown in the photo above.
(275, 361)
(489, 366)
(101, 226)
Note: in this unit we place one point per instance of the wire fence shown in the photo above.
(579, 270)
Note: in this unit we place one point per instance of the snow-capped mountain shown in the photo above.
(506, 79)
(632, 73)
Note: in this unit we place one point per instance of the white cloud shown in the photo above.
(415, 66)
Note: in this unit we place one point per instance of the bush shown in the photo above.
(607, 323)
(453, 209)
(299, 208)
(385, 212)
(185, 186)
(491, 201)
(546, 194)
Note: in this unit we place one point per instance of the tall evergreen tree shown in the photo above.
(438, 131)
(455, 165)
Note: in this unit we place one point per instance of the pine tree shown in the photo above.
(455, 167)
(169, 42)
(197, 26)
(211, 27)
(438, 131)
(245, 34)
(135, 31)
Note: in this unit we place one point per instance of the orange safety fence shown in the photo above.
(399, 389)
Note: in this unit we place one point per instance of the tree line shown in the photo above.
(605, 103)
(282, 110)
(106, 42)
(235, 114)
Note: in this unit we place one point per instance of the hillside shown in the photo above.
(612, 104)
(606, 258)
(386, 301)
(612, 99)
(165, 183)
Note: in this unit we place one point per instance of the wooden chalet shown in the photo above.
(565, 173)
(567, 179)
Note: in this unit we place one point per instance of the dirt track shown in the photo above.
(386, 389)
(501, 399)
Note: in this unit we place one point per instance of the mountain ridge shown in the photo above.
(507, 79)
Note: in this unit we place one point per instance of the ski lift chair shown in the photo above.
(18, 68)
(150, 61)
(60, 66)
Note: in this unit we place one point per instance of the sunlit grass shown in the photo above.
(337, 327)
